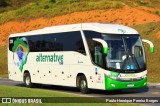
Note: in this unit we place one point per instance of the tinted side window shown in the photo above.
(71, 41)
(68, 41)
(42, 43)
(11, 43)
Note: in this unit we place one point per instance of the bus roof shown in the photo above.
(98, 27)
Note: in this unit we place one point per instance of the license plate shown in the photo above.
(130, 85)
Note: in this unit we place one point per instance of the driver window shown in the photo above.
(98, 54)
(138, 51)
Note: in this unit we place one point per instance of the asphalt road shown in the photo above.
(152, 90)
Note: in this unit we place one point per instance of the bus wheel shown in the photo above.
(83, 85)
(27, 80)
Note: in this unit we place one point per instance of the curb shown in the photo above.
(3, 78)
(153, 84)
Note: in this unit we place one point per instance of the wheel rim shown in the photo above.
(83, 84)
(27, 80)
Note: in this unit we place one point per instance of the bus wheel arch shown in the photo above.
(81, 82)
(27, 79)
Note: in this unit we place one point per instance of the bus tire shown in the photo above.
(83, 85)
(27, 80)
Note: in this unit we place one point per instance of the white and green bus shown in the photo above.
(87, 56)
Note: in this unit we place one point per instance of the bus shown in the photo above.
(87, 55)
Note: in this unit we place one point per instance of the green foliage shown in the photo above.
(25, 92)
(94, 0)
(53, 1)
(158, 13)
(50, 8)
(142, 3)
(3, 3)
(14, 91)
(7, 5)
(46, 7)
(22, 9)
(66, 1)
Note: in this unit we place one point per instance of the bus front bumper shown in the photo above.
(111, 84)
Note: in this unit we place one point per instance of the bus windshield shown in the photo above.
(126, 52)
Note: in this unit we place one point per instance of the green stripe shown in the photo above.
(123, 85)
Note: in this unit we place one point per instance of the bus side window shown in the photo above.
(11, 43)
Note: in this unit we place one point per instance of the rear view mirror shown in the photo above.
(150, 44)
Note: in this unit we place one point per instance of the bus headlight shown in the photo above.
(112, 77)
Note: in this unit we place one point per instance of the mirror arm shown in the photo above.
(104, 44)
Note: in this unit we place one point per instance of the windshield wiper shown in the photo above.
(124, 63)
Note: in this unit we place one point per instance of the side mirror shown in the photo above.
(104, 44)
(150, 44)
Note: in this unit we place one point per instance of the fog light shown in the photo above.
(112, 85)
